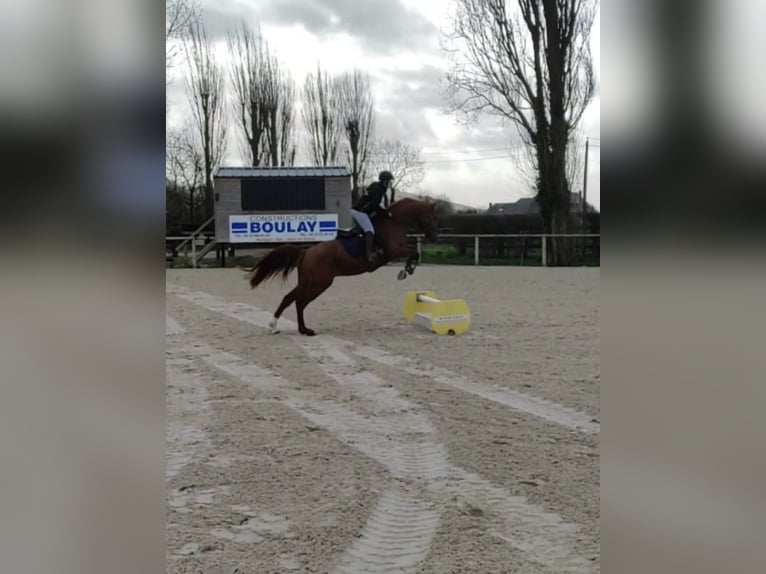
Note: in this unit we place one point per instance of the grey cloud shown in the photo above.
(221, 16)
(415, 88)
(409, 126)
(401, 115)
(382, 26)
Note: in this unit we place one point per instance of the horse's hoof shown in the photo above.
(402, 275)
(308, 332)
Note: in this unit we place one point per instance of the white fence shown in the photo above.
(478, 237)
(475, 237)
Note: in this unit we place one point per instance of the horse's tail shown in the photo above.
(283, 259)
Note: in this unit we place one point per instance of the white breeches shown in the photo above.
(363, 220)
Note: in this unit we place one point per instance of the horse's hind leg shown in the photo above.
(302, 299)
(286, 302)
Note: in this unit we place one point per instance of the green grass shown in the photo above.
(449, 255)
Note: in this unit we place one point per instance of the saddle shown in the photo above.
(352, 239)
(355, 231)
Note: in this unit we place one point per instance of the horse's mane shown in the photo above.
(407, 208)
(403, 202)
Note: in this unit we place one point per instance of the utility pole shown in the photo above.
(584, 200)
(585, 180)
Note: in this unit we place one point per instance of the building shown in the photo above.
(524, 206)
(281, 204)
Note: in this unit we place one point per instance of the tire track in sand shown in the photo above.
(396, 538)
(544, 537)
(535, 406)
(399, 532)
(404, 444)
(541, 408)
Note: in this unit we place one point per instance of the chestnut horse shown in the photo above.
(320, 264)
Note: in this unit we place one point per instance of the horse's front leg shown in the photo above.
(413, 258)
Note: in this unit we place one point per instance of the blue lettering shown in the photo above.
(268, 227)
(255, 227)
(307, 226)
(280, 226)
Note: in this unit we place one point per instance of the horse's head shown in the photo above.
(428, 221)
(421, 214)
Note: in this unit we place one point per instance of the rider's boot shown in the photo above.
(368, 247)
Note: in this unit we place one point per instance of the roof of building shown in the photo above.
(268, 171)
(529, 206)
(522, 206)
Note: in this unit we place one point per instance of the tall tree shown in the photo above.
(357, 109)
(264, 99)
(530, 63)
(249, 74)
(179, 14)
(402, 160)
(321, 118)
(205, 91)
(286, 118)
(279, 106)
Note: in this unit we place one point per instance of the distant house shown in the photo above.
(456, 207)
(523, 206)
(528, 206)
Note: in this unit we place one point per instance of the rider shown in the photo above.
(369, 204)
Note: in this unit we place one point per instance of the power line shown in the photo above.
(486, 150)
(461, 160)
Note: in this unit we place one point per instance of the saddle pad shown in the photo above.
(354, 246)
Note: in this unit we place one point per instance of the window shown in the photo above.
(283, 194)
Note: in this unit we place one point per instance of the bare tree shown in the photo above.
(249, 73)
(575, 159)
(205, 91)
(530, 65)
(321, 118)
(179, 14)
(286, 118)
(357, 108)
(264, 99)
(402, 160)
(278, 91)
(185, 166)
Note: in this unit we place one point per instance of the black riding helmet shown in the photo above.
(385, 175)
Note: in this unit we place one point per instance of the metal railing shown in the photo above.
(192, 239)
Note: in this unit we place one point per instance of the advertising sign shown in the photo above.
(283, 228)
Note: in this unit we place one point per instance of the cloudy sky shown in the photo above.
(397, 42)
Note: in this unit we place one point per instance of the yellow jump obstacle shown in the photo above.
(451, 317)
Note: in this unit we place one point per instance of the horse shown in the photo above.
(320, 264)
